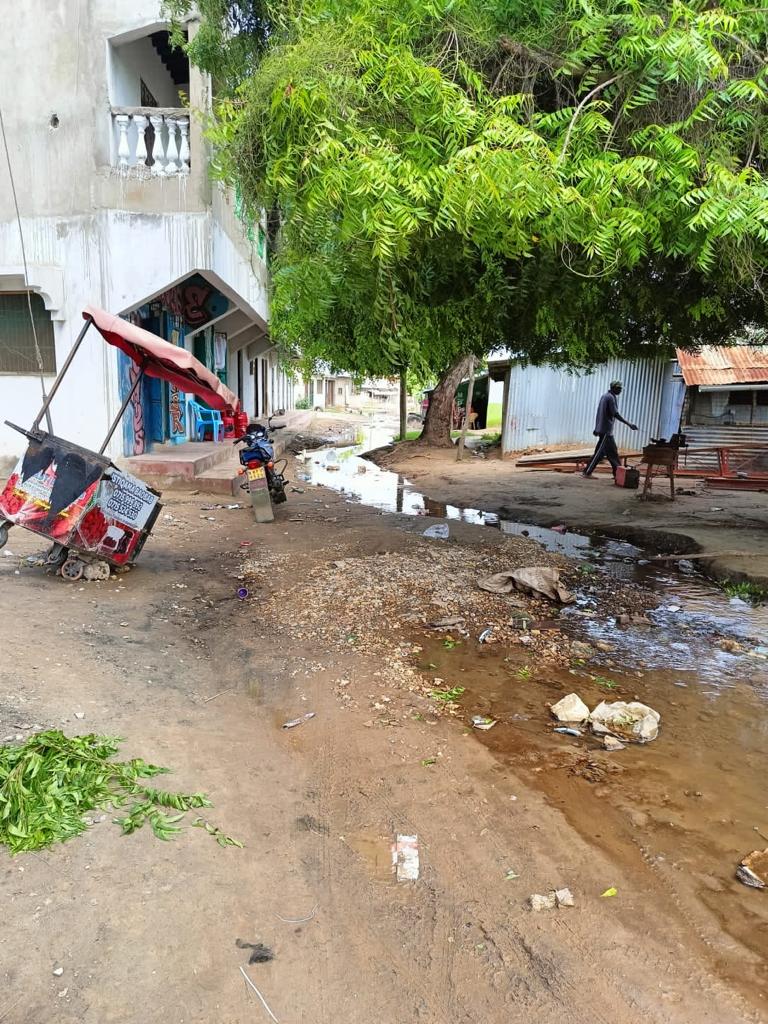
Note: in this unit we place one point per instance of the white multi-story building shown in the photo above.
(104, 130)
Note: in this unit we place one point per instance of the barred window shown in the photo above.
(17, 341)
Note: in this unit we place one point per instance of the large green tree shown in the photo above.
(450, 174)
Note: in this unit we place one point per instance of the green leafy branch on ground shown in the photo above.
(48, 783)
(746, 590)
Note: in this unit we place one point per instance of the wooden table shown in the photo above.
(659, 457)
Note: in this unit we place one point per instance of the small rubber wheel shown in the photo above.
(73, 569)
(3, 535)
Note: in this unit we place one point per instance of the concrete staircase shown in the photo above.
(200, 466)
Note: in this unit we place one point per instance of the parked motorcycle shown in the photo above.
(264, 478)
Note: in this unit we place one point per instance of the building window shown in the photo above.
(17, 339)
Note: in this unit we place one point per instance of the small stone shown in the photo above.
(58, 971)
(611, 743)
(570, 709)
(564, 897)
(538, 902)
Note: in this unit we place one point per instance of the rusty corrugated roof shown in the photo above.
(717, 364)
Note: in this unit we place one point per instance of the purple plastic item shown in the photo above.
(242, 593)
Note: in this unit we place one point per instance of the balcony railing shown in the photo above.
(152, 141)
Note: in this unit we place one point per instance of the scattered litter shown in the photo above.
(297, 490)
(58, 971)
(298, 920)
(428, 761)
(631, 720)
(570, 709)
(555, 898)
(480, 722)
(245, 543)
(485, 635)
(242, 593)
(568, 732)
(510, 875)
(299, 721)
(219, 694)
(80, 714)
(438, 532)
(753, 870)
(537, 580)
(560, 529)
(613, 891)
(611, 743)
(333, 469)
(260, 954)
(405, 858)
(716, 508)
(672, 608)
(261, 997)
(8, 553)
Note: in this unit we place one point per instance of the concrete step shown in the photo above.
(224, 478)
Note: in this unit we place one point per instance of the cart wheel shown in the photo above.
(98, 570)
(73, 569)
(3, 535)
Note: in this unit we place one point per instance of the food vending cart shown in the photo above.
(96, 515)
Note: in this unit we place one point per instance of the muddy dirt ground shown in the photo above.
(734, 522)
(337, 623)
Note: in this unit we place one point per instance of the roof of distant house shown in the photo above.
(716, 365)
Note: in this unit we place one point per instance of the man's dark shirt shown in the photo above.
(606, 414)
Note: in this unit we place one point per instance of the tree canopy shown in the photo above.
(576, 177)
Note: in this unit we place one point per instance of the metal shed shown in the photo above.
(546, 406)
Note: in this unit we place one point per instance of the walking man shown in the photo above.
(607, 414)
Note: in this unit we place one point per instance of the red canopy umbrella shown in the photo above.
(159, 358)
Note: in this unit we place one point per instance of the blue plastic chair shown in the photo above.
(204, 421)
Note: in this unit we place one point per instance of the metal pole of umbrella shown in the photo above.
(123, 407)
(60, 377)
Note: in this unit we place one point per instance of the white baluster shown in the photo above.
(172, 153)
(141, 143)
(158, 149)
(123, 146)
(183, 123)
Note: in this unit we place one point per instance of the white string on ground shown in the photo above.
(298, 920)
(261, 997)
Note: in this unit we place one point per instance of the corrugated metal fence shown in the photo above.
(742, 458)
(548, 406)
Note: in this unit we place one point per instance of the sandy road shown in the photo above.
(146, 932)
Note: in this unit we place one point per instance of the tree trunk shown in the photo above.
(467, 410)
(403, 404)
(437, 426)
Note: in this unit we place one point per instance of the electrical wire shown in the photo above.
(38, 354)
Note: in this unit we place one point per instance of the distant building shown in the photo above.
(118, 211)
(326, 390)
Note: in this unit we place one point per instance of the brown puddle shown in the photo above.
(686, 804)
(376, 853)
